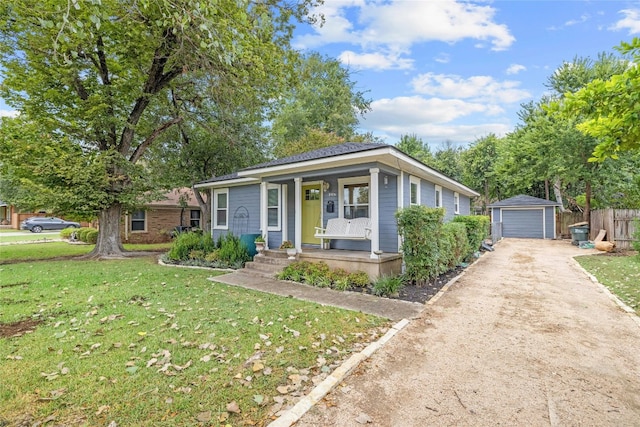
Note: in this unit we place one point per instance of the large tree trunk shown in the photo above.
(205, 208)
(109, 243)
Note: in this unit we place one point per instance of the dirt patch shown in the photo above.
(17, 329)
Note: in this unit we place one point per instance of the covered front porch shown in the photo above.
(385, 264)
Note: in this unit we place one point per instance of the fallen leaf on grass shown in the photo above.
(258, 398)
(204, 417)
(101, 409)
(233, 407)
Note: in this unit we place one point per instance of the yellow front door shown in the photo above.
(311, 213)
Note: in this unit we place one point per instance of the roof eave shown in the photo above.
(227, 183)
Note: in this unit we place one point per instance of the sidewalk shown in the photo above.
(369, 304)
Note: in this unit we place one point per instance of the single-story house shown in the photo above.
(155, 222)
(524, 216)
(294, 198)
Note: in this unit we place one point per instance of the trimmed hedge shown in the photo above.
(431, 247)
(477, 229)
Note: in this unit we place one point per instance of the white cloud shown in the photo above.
(631, 21)
(572, 22)
(375, 61)
(443, 58)
(397, 25)
(411, 111)
(9, 113)
(515, 69)
(478, 88)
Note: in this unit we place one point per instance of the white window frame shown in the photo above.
(438, 196)
(191, 219)
(144, 221)
(278, 207)
(456, 202)
(216, 193)
(414, 180)
(348, 181)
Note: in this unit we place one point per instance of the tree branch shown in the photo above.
(145, 144)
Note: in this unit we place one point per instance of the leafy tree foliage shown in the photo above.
(415, 147)
(608, 107)
(324, 99)
(479, 163)
(98, 74)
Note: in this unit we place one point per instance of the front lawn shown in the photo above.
(135, 343)
(41, 251)
(621, 274)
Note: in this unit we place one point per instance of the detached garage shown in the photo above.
(525, 217)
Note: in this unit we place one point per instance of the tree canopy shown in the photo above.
(98, 75)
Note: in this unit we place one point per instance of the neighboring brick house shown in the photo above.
(155, 222)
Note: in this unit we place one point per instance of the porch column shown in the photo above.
(263, 214)
(373, 213)
(298, 213)
(285, 215)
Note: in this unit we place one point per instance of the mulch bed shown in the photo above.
(419, 293)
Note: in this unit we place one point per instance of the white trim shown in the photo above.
(392, 154)
(298, 213)
(414, 180)
(456, 202)
(278, 188)
(214, 212)
(438, 196)
(144, 221)
(400, 203)
(352, 180)
(285, 213)
(227, 183)
(373, 212)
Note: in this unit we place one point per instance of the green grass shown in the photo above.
(140, 344)
(11, 237)
(41, 251)
(621, 274)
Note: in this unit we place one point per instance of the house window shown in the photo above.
(139, 221)
(194, 218)
(354, 197)
(414, 189)
(438, 196)
(456, 203)
(273, 207)
(221, 209)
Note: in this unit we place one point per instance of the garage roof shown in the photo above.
(523, 200)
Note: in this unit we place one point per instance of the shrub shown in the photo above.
(454, 246)
(183, 245)
(387, 285)
(212, 256)
(339, 279)
(477, 229)
(359, 279)
(91, 236)
(294, 271)
(316, 273)
(196, 254)
(232, 251)
(420, 228)
(67, 232)
(81, 233)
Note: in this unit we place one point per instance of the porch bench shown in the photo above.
(349, 229)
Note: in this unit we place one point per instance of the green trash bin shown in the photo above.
(249, 241)
(579, 234)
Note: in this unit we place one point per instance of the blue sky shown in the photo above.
(452, 70)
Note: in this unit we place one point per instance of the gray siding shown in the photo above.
(244, 211)
(447, 204)
(526, 223)
(550, 226)
(388, 201)
(465, 205)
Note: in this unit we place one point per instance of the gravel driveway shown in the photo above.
(524, 338)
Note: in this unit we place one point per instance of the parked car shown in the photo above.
(36, 224)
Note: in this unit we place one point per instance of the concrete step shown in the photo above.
(271, 269)
(283, 262)
(275, 253)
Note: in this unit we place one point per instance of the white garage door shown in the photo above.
(523, 223)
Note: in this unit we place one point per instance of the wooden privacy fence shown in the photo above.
(564, 220)
(619, 224)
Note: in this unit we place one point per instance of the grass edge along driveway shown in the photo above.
(136, 343)
(619, 273)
